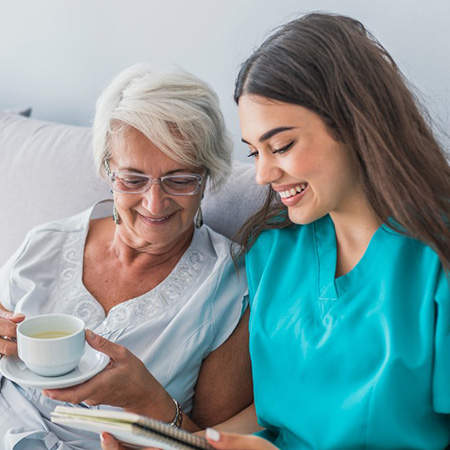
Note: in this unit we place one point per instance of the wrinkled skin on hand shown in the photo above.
(125, 383)
(8, 326)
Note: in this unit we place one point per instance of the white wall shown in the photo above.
(57, 55)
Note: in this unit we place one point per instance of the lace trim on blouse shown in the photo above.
(78, 301)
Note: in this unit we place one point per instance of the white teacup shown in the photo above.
(52, 344)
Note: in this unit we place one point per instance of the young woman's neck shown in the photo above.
(354, 229)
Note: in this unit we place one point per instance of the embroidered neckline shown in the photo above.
(78, 301)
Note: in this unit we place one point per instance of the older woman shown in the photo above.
(151, 278)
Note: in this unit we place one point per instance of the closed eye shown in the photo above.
(283, 149)
(132, 181)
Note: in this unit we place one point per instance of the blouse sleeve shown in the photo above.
(441, 377)
(230, 302)
(10, 290)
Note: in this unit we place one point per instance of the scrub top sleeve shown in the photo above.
(441, 375)
(9, 288)
(229, 303)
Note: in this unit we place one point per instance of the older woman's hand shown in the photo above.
(125, 383)
(229, 441)
(8, 325)
(109, 443)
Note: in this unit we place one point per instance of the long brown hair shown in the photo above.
(333, 66)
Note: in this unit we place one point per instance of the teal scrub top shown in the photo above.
(358, 361)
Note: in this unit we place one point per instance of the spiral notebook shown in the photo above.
(131, 429)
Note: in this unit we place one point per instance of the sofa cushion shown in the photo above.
(226, 210)
(48, 173)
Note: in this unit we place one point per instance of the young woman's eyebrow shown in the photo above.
(269, 134)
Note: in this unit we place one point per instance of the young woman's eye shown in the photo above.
(283, 149)
(252, 154)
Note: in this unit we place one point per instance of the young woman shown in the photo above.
(348, 260)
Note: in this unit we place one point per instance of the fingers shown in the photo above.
(8, 326)
(11, 316)
(103, 387)
(230, 441)
(103, 345)
(125, 383)
(91, 392)
(79, 393)
(109, 443)
(7, 347)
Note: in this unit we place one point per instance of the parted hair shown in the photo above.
(175, 110)
(332, 65)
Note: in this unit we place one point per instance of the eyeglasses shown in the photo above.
(137, 183)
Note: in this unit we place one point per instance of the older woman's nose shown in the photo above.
(267, 171)
(155, 199)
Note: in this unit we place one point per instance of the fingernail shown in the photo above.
(213, 434)
(91, 335)
(102, 438)
(18, 315)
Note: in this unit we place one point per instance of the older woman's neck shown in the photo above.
(139, 253)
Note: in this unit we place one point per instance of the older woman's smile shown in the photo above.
(152, 219)
(156, 220)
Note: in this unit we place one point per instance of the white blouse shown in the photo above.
(171, 328)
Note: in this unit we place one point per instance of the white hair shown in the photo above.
(176, 111)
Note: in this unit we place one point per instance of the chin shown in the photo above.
(303, 219)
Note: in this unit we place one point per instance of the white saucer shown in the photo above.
(91, 363)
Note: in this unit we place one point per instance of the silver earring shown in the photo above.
(199, 221)
(116, 215)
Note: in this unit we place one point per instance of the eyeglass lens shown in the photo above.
(171, 184)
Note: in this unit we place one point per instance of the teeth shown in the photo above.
(293, 191)
(158, 220)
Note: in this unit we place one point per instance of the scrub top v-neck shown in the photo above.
(358, 361)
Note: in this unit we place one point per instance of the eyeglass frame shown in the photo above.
(153, 180)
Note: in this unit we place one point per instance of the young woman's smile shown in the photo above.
(294, 152)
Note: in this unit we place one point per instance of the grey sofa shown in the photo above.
(47, 173)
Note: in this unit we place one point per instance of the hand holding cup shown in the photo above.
(8, 325)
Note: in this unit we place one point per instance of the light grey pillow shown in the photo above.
(48, 173)
(240, 197)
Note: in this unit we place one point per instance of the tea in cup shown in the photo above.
(51, 344)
